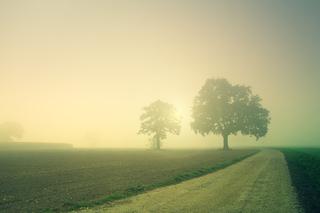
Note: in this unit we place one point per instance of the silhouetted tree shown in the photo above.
(158, 119)
(223, 109)
(9, 131)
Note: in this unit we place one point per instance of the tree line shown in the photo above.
(10, 131)
(219, 108)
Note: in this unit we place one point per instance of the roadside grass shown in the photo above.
(304, 167)
(57, 181)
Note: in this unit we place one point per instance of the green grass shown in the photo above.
(55, 181)
(304, 167)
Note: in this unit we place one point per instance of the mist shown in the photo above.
(80, 72)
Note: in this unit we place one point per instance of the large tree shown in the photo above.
(224, 109)
(158, 119)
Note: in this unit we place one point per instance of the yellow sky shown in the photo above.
(80, 71)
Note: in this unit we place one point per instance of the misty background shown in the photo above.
(80, 71)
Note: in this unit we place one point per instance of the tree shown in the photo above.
(159, 119)
(224, 109)
(9, 131)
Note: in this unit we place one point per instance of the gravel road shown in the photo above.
(260, 183)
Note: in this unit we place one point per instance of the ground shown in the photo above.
(304, 166)
(55, 181)
(260, 183)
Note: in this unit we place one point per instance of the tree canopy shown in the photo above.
(158, 119)
(223, 109)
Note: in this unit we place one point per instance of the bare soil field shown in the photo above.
(55, 181)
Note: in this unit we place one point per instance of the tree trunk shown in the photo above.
(157, 143)
(225, 142)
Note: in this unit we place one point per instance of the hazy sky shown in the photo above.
(80, 71)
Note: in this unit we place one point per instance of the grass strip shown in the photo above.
(305, 174)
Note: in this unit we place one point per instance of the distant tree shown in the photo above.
(224, 109)
(159, 119)
(10, 131)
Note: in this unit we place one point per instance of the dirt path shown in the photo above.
(260, 183)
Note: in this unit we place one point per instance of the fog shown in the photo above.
(80, 71)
